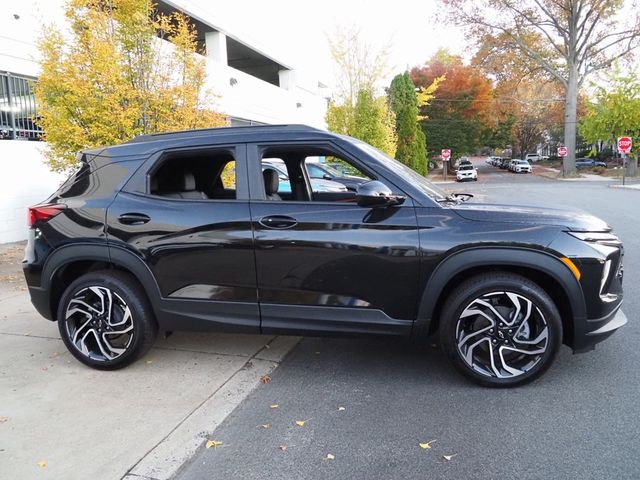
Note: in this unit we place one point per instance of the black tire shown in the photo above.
(83, 315)
(468, 339)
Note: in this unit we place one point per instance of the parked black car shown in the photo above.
(589, 163)
(184, 231)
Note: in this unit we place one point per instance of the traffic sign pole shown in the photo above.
(446, 155)
(624, 147)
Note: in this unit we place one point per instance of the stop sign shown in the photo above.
(446, 153)
(562, 151)
(625, 144)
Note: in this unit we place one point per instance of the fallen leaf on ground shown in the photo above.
(27, 334)
(149, 361)
(331, 456)
(213, 443)
(275, 405)
(449, 457)
(283, 448)
(3, 419)
(266, 425)
(340, 409)
(300, 423)
(265, 379)
(42, 464)
(426, 445)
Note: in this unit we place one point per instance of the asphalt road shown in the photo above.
(579, 421)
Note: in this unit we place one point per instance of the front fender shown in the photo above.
(467, 259)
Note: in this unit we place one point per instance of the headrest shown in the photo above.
(188, 182)
(271, 181)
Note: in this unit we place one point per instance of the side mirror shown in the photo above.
(326, 176)
(377, 194)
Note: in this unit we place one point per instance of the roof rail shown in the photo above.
(218, 130)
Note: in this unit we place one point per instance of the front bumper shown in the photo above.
(598, 330)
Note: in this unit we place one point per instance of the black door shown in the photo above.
(332, 266)
(193, 230)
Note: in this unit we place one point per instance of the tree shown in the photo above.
(359, 65)
(355, 109)
(412, 145)
(569, 39)
(111, 78)
(369, 119)
(615, 111)
(462, 108)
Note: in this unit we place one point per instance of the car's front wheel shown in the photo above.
(500, 329)
(105, 320)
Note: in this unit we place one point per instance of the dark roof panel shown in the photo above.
(223, 131)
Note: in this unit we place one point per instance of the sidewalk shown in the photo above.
(59, 419)
(633, 186)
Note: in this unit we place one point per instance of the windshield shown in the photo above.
(466, 167)
(330, 170)
(401, 170)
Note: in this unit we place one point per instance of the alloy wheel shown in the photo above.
(99, 323)
(502, 335)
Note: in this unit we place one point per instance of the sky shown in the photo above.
(298, 30)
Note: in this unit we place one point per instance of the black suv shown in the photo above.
(184, 231)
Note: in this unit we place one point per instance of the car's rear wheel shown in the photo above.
(105, 320)
(500, 329)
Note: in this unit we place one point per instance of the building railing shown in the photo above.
(18, 108)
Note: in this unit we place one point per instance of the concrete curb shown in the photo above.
(165, 459)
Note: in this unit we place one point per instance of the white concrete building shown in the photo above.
(252, 86)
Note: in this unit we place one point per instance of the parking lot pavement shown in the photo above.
(61, 420)
(579, 421)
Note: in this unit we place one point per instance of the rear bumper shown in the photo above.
(40, 300)
(599, 330)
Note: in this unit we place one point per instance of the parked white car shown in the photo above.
(466, 172)
(534, 157)
(520, 166)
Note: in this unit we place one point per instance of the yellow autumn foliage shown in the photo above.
(111, 77)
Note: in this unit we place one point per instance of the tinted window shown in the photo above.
(198, 175)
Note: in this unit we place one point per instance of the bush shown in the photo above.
(598, 170)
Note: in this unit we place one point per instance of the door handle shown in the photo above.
(278, 222)
(133, 218)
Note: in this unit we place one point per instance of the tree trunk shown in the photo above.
(570, 119)
(632, 166)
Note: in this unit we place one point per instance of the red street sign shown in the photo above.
(562, 151)
(446, 153)
(624, 145)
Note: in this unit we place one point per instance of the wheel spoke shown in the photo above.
(495, 312)
(126, 317)
(542, 336)
(106, 348)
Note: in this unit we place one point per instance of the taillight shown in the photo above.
(42, 213)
